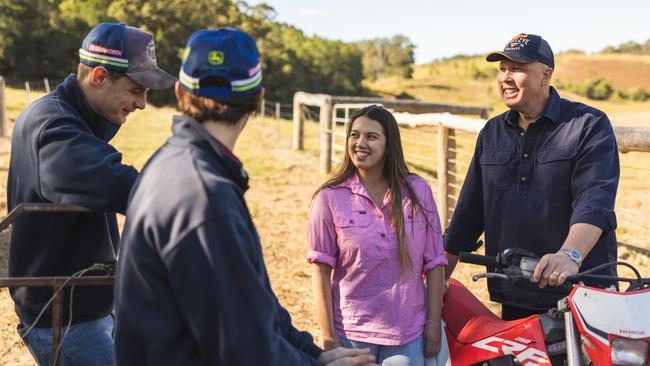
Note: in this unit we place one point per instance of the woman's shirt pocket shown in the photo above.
(497, 171)
(358, 239)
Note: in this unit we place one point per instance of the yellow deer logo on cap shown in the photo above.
(519, 36)
(215, 57)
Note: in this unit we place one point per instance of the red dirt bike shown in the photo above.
(591, 326)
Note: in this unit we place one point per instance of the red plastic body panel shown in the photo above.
(475, 334)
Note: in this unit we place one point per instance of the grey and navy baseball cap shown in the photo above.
(123, 48)
(221, 63)
(525, 48)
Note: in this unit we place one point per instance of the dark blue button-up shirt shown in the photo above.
(525, 188)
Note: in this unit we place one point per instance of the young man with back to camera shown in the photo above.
(192, 287)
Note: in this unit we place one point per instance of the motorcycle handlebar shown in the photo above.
(482, 260)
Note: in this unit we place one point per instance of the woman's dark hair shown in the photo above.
(230, 110)
(395, 171)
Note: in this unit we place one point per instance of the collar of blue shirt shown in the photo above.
(551, 112)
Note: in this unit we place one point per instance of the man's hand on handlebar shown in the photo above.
(553, 270)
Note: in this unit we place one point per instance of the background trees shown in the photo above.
(41, 38)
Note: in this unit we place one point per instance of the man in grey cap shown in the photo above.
(60, 154)
(543, 178)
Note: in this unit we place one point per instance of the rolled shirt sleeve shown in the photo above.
(321, 233)
(595, 177)
(434, 254)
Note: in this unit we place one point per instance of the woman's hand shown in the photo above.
(331, 343)
(432, 333)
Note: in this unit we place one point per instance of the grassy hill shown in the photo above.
(471, 80)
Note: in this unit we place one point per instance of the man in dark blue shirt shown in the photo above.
(192, 287)
(543, 178)
(60, 154)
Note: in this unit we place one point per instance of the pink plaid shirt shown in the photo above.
(348, 232)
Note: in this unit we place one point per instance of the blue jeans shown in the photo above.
(410, 354)
(86, 344)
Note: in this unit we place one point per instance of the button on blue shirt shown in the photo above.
(525, 188)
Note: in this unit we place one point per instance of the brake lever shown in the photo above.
(490, 275)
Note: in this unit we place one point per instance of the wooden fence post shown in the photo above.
(326, 134)
(277, 110)
(46, 82)
(452, 172)
(442, 174)
(298, 129)
(29, 92)
(3, 121)
(446, 173)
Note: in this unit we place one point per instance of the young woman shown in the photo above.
(373, 232)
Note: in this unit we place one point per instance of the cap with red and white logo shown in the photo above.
(130, 50)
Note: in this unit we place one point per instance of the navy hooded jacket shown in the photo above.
(192, 288)
(60, 154)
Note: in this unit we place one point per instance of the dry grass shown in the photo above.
(622, 71)
(282, 181)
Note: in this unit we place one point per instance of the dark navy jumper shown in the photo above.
(192, 287)
(60, 154)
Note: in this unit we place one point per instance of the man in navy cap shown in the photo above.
(191, 287)
(60, 154)
(543, 178)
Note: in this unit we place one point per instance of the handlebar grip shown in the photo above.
(482, 260)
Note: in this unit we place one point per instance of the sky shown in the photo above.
(443, 28)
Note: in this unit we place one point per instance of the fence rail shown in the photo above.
(451, 160)
(326, 104)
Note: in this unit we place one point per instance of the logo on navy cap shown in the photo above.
(518, 42)
(150, 51)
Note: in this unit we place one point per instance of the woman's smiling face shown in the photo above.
(367, 144)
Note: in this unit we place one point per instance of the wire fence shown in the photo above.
(276, 109)
(36, 87)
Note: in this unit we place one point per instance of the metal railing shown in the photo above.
(57, 284)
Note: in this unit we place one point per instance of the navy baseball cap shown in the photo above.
(228, 57)
(525, 48)
(130, 50)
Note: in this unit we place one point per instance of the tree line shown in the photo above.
(41, 38)
(630, 47)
